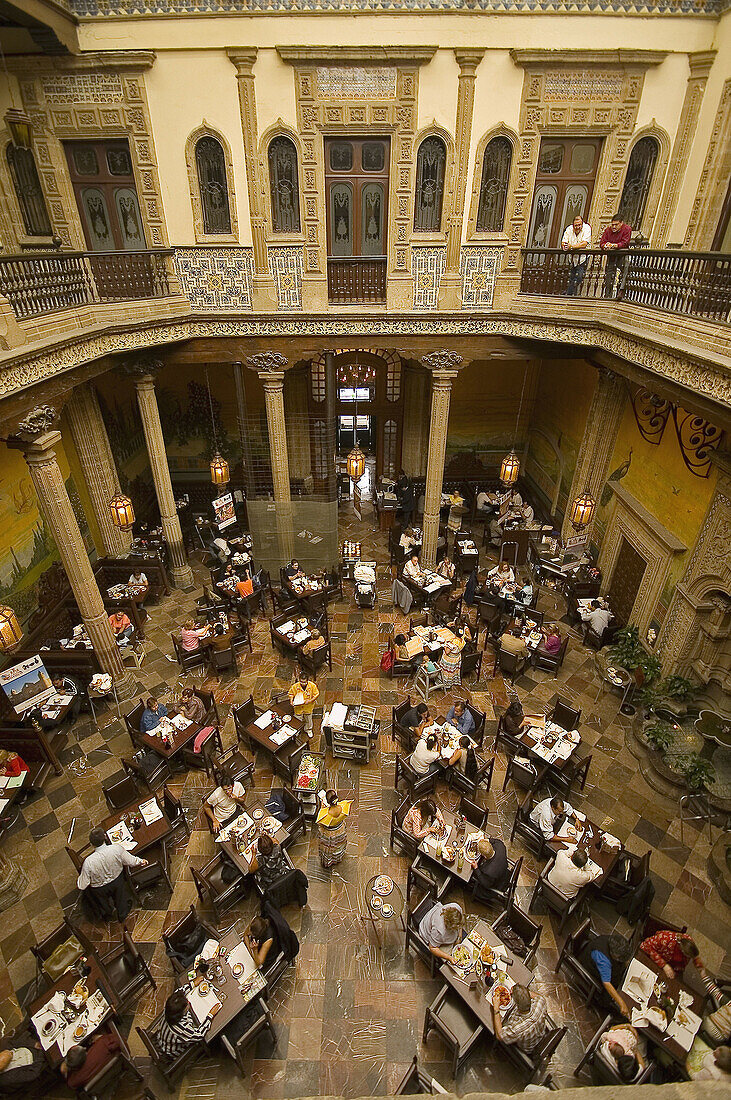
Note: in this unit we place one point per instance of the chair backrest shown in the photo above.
(579, 938)
(514, 876)
(244, 714)
(546, 1048)
(183, 929)
(565, 715)
(476, 815)
(553, 897)
(122, 793)
(75, 857)
(528, 930)
(470, 662)
(533, 616)
(399, 711)
(523, 773)
(400, 812)
(640, 869)
(223, 658)
(134, 717)
(509, 662)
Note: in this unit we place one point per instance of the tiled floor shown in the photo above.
(349, 1014)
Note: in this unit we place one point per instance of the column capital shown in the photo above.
(701, 63)
(142, 369)
(272, 379)
(468, 60)
(442, 362)
(37, 450)
(35, 423)
(267, 362)
(243, 60)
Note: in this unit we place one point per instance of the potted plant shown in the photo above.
(659, 736)
(695, 770)
(628, 652)
(682, 692)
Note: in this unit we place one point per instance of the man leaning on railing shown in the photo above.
(615, 238)
(577, 237)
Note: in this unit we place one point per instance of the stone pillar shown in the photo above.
(265, 296)
(442, 365)
(415, 384)
(597, 445)
(700, 67)
(269, 366)
(38, 447)
(450, 291)
(331, 383)
(180, 572)
(241, 419)
(91, 441)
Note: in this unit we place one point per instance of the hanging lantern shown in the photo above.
(355, 464)
(20, 127)
(509, 469)
(10, 631)
(123, 514)
(582, 511)
(219, 470)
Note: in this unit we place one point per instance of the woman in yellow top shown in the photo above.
(331, 830)
(302, 695)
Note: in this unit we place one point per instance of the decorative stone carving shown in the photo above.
(286, 265)
(597, 444)
(479, 267)
(348, 82)
(267, 362)
(39, 420)
(441, 360)
(708, 202)
(156, 8)
(216, 278)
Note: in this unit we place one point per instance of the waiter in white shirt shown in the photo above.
(102, 872)
(544, 814)
(576, 239)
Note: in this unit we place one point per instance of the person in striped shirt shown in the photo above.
(179, 1028)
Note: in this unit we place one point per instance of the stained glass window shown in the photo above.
(430, 167)
(284, 184)
(494, 185)
(210, 163)
(637, 182)
(28, 191)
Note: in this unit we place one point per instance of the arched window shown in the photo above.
(210, 164)
(28, 191)
(430, 165)
(494, 185)
(284, 184)
(638, 180)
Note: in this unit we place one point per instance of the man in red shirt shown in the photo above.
(81, 1065)
(616, 237)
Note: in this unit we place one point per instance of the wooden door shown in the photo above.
(564, 186)
(106, 195)
(626, 580)
(356, 196)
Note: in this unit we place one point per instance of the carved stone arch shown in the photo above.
(435, 130)
(279, 129)
(662, 138)
(204, 130)
(501, 130)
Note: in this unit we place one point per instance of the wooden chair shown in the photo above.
(399, 838)
(170, 1069)
(534, 1063)
(510, 664)
(475, 814)
(564, 715)
(141, 879)
(471, 664)
(510, 743)
(523, 826)
(399, 734)
(243, 715)
(312, 662)
(603, 1069)
(500, 898)
(211, 886)
(418, 784)
(241, 637)
(551, 662)
(481, 781)
(553, 899)
(232, 766)
(219, 660)
(108, 1076)
(523, 773)
(479, 717)
(585, 981)
(187, 659)
(176, 938)
(173, 807)
(529, 931)
(626, 875)
(574, 772)
(286, 763)
(159, 774)
(455, 1024)
(204, 758)
(295, 822)
(58, 950)
(123, 792)
(132, 721)
(416, 1081)
(414, 916)
(428, 878)
(127, 972)
(237, 1047)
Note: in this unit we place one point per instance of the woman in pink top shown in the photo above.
(190, 637)
(552, 641)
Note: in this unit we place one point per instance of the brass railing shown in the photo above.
(43, 283)
(356, 280)
(696, 284)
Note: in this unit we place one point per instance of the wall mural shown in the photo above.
(27, 548)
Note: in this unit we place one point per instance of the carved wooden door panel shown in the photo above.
(626, 580)
(564, 185)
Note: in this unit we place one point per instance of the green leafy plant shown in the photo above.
(660, 735)
(696, 771)
(628, 652)
(677, 687)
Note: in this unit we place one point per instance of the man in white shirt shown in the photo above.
(413, 571)
(102, 872)
(224, 804)
(544, 815)
(576, 239)
(528, 514)
(569, 872)
(424, 757)
(597, 618)
(483, 502)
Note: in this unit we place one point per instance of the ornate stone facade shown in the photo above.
(479, 267)
(427, 269)
(204, 130)
(712, 185)
(216, 278)
(286, 265)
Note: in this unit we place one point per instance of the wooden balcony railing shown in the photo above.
(697, 284)
(356, 280)
(46, 282)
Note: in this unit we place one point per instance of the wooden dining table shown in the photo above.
(95, 980)
(146, 836)
(673, 987)
(180, 739)
(462, 877)
(238, 858)
(530, 739)
(262, 737)
(479, 1000)
(604, 856)
(233, 999)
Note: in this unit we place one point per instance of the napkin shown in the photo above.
(611, 841)
(685, 999)
(202, 1005)
(638, 1017)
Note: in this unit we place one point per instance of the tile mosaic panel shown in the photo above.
(214, 7)
(427, 268)
(479, 265)
(216, 278)
(286, 265)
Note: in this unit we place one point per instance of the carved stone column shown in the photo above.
(38, 442)
(269, 366)
(442, 364)
(331, 383)
(91, 441)
(597, 445)
(264, 289)
(451, 285)
(247, 461)
(700, 67)
(180, 572)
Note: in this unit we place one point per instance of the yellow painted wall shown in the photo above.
(483, 406)
(564, 394)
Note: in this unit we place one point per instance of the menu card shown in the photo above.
(150, 811)
(264, 720)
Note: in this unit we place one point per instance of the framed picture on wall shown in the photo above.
(26, 685)
(224, 511)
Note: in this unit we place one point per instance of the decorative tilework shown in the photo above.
(345, 82)
(583, 86)
(214, 7)
(82, 88)
(427, 267)
(216, 278)
(479, 265)
(286, 264)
